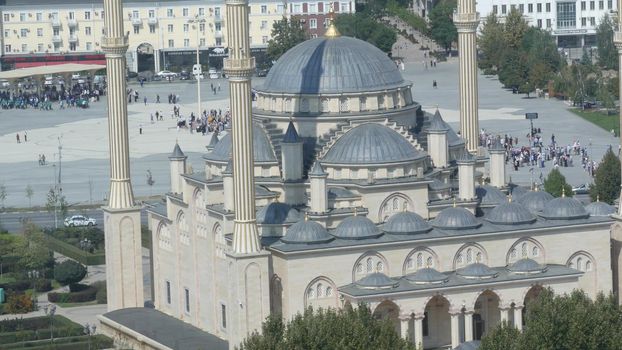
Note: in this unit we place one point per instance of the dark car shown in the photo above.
(131, 75)
(262, 72)
(185, 75)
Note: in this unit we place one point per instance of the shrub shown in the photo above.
(19, 304)
(87, 294)
(16, 286)
(101, 295)
(69, 272)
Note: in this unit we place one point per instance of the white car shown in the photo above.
(167, 74)
(79, 220)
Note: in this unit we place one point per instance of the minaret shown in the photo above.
(124, 273)
(438, 148)
(177, 161)
(617, 39)
(497, 164)
(466, 21)
(466, 176)
(616, 228)
(248, 304)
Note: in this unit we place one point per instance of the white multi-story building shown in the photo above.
(161, 36)
(572, 23)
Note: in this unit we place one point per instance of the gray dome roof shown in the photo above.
(564, 208)
(427, 275)
(489, 195)
(277, 213)
(308, 232)
(455, 218)
(510, 213)
(371, 143)
(477, 271)
(376, 280)
(600, 209)
(262, 149)
(356, 227)
(332, 65)
(535, 201)
(526, 266)
(406, 222)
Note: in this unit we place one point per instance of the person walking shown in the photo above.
(158, 98)
(434, 85)
(17, 136)
(25, 136)
(145, 100)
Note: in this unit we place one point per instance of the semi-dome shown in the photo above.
(526, 266)
(427, 275)
(489, 195)
(510, 213)
(405, 223)
(455, 218)
(477, 271)
(371, 143)
(262, 149)
(535, 201)
(306, 232)
(356, 227)
(564, 208)
(332, 66)
(277, 213)
(376, 280)
(600, 209)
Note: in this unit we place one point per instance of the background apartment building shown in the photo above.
(162, 34)
(572, 23)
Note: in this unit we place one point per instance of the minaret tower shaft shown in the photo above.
(617, 39)
(239, 68)
(466, 20)
(124, 276)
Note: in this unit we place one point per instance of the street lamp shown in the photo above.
(89, 330)
(196, 70)
(50, 310)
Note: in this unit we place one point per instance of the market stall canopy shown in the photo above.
(68, 68)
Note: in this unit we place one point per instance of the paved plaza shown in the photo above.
(84, 137)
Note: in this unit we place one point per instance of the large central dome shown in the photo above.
(333, 65)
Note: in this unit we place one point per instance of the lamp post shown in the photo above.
(89, 330)
(50, 310)
(197, 21)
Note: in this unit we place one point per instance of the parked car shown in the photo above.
(213, 73)
(581, 189)
(185, 75)
(79, 220)
(262, 72)
(167, 74)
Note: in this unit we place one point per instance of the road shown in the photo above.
(12, 221)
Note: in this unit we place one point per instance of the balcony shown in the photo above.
(55, 22)
(73, 38)
(72, 22)
(56, 39)
(218, 18)
(136, 21)
(152, 20)
(218, 34)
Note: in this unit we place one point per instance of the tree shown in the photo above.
(29, 193)
(607, 52)
(3, 194)
(504, 337)
(69, 272)
(364, 27)
(347, 328)
(56, 202)
(19, 304)
(286, 33)
(515, 28)
(607, 179)
(491, 43)
(442, 28)
(34, 254)
(555, 184)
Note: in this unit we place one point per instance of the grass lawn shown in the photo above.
(66, 305)
(7, 279)
(601, 119)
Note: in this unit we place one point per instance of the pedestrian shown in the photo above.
(158, 98)
(17, 135)
(43, 159)
(218, 86)
(434, 85)
(151, 118)
(25, 136)
(140, 129)
(145, 100)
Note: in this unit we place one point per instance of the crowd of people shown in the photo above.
(77, 95)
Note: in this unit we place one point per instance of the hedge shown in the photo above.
(39, 334)
(41, 285)
(74, 252)
(12, 325)
(72, 343)
(87, 294)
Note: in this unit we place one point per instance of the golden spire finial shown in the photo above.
(331, 31)
(598, 197)
(355, 211)
(510, 198)
(563, 192)
(306, 216)
(454, 202)
(537, 188)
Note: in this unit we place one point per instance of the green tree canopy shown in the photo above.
(347, 329)
(286, 34)
(69, 272)
(33, 253)
(568, 322)
(607, 179)
(442, 28)
(555, 184)
(491, 43)
(607, 52)
(364, 27)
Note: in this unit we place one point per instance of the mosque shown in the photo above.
(359, 195)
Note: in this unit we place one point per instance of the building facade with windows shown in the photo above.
(160, 34)
(572, 23)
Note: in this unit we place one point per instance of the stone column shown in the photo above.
(404, 323)
(466, 176)
(518, 317)
(455, 329)
(466, 21)
(617, 39)
(505, 313)
(239, 67)
(124, 276)
(468, 326)
(497, 164)
(419, 330)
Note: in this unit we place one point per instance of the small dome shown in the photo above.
(510, 213)
(535, 201)
(489, 195)
(526, 266)
(371, 143)
(277, 213)
(356, 227)
(406, 223)
(455, 218)
(477, 271)
(376, 280)
(427, 275)
(564, 208)
(600, 209)
(307, 232)
(262, 149)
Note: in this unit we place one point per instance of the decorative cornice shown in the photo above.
(116, 45)
(239, 68)
(466, 22)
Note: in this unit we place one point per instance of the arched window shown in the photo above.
(320, 293)
(419, 260)
(588, 266)
(469, 256)
(381, 102)
(288, 105)
(409, 263)
(319, 290)
(369, 265)
(460, 259)
(513, 254)
(304, 105)
(478, 257)
(324, 105)
(396, 204)
(379, 267)
(580, 264)
(524, 249)
(273, 104)
(363, 103)
(359, 268)
(343, 105)
(329, 292)
(310, 293)
(535, 251)
(430, 262)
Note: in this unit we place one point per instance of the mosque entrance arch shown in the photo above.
(387, 310)
(487, 315)
(145, 57)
